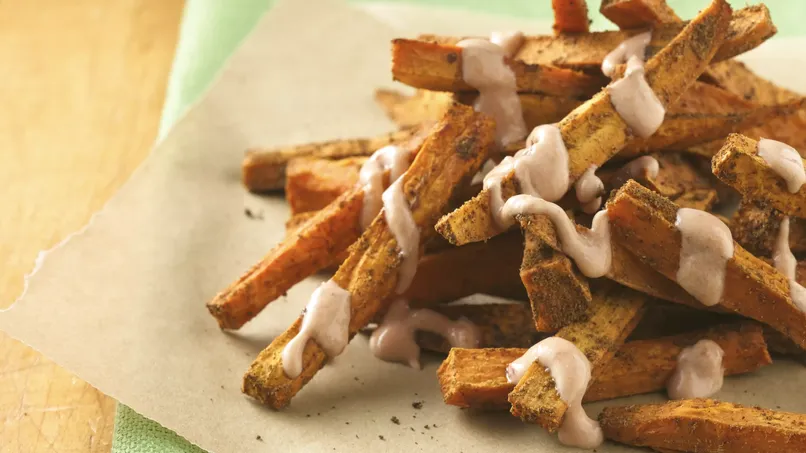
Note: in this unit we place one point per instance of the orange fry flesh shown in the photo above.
(739, 165)
(570, 16)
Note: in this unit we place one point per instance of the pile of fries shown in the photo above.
(667, 287)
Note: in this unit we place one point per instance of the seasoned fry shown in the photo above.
(438, 67)
(457, 272)
(452, 153)
(628, 270)
(476, 378)
(594, 132)
(570, 16)
(614, 314)
(311, 184)
(558, 292)
(264, 169)
(756, 225)
(630, 14)
(748, 28)
(706, 426)
(735, 77)
(645, 366)
(499, 325)
(407, 111)
(316, 245)
(643, 222)
(738, 165)
(685, 130)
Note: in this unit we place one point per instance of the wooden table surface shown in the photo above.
(81, 92)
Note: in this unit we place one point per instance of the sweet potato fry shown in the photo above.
(628, 270)
(755, 227)
(311, 184)
(685, 130)
(645, 366)
(456, 272)
(738, 165)
(735, 77)
(594, 132)
(570, 16)
(476, 378)
(320, 243)
(705, 426)
(614, 313)
(316, 245)
(748, 28)
(643, 222)
(438, 67)
(499, 324)
(558, 291)
(630, 14)
(407, 111)
(264, 169)
(451, 154)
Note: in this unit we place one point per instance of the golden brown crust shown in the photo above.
(558, 292)
(614, 314)
(438, 67)
(450, 155)
(476, 378)
(755, 227)
(738, 165)
(706, 426)
(685, 130)
(570, 16)
(315, 246)
(264, 170)
(630, 14)
(311, 183)
(594, 131)
(643, 222)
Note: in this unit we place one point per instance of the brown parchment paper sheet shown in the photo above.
(121, 304)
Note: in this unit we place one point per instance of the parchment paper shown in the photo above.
(122, 303)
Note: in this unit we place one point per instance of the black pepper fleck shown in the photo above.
(417, 404)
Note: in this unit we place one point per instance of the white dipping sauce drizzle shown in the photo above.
(326, 320)
(635, 102)
(699, 372)
(786, 263)
(402, 225)
(541, 170)
(484, 68)
(783, 160)
(392, 158)
(706, 247)
(589, 189)
(590, 250)
(395, 339)
(642, 167)
(632, 47)
(571, 372)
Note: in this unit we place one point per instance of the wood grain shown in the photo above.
(82, 92)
